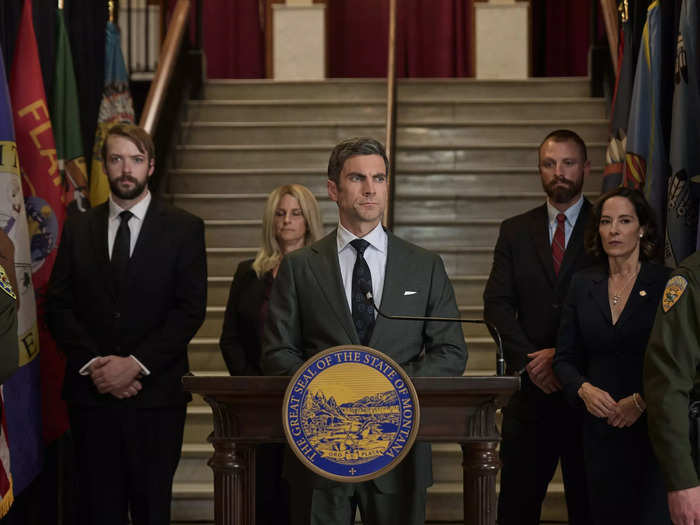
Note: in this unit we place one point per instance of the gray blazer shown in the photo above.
(309, 313)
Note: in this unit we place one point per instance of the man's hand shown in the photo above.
(598, 402)
(685, 506)
(540, 370)
(625, 414)
(130, 391)
(114, 374)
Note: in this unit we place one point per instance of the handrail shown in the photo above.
(166, 64)
(390, 145)
(609, 12)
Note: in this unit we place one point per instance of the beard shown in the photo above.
(562, 190)
(135, 191)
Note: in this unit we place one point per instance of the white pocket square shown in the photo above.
(409, 292)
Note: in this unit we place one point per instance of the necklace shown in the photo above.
(617, 296)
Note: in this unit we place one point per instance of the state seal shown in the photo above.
(350, 413)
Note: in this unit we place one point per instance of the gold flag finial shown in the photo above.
(111, 10)
(60, 4)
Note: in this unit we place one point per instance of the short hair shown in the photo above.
(270, 253)
(139, 136)
(565, 135)
(351, 148)
(648, 244)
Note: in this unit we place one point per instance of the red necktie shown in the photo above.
(558, 243)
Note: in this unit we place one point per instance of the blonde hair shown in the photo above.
(270, 253)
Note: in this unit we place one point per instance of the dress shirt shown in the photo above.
(139, 213)
(571, 216)
(375, 255)
(113, 221)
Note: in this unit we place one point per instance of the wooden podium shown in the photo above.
(248, 411)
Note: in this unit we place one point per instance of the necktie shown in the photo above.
(558, 243)
(362, 313)
(121, 249)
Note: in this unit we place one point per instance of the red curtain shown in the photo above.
(561, 37)
(434, 38)
(232, 37)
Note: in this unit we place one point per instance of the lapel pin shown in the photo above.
(643, 293)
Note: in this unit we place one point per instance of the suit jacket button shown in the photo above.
(117, 315)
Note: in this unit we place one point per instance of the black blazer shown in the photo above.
(590, 348)
(241, 336)
(158, 312)
(523, 296)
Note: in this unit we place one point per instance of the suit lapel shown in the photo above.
(635, 300)
(599, 291)
(540, 239)
(392, 289)
(326, 270)
(100, 245)
(150, 231)
(575, 244)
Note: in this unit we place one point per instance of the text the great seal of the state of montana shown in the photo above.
(350, 413)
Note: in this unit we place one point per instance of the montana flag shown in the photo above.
(646, 164)
(65, 117)
(21, 390)
(682, 214)
(116, 107)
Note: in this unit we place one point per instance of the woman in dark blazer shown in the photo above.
(603, 335)
(291, 220)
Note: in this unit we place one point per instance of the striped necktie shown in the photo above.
(558, 243)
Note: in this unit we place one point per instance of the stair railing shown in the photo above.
(390, 142)
(178, 77)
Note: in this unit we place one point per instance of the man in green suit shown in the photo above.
(317, 301)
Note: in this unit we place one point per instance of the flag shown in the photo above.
(646, 165)
(116, 106)
(65, 117)
(20, 391)
(73, 193)
(43, 198)
(682, 213)
(6, 495)
(632, 18)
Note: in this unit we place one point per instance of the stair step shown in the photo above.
(436, 133)
(492, 205)
(423, 182)
(407, 89)
(336, 110)
(315, 156)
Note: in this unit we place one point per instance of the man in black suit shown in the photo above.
(316, 304)
(127, 293)
(536, 254)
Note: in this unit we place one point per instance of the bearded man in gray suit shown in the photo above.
(317, 302)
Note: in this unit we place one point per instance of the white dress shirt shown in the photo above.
(113, 221)
(375, 255)
(571, 216)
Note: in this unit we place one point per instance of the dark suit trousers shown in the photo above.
(530, 450)
(125, 461)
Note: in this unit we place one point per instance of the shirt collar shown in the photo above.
(571, 212)
(139, 209)
(377, 238)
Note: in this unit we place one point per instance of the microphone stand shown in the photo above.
(500, 361)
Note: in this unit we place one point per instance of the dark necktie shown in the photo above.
(121, 249)
(362, 313)
(558, 243)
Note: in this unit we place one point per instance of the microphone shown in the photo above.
(500, 361)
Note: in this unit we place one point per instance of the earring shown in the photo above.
(641, 235)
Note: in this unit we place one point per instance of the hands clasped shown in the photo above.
(619, 414)
(541, 372)
(116, 375)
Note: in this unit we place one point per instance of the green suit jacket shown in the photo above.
(309, 312)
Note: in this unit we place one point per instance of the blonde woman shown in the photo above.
(291, 221)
